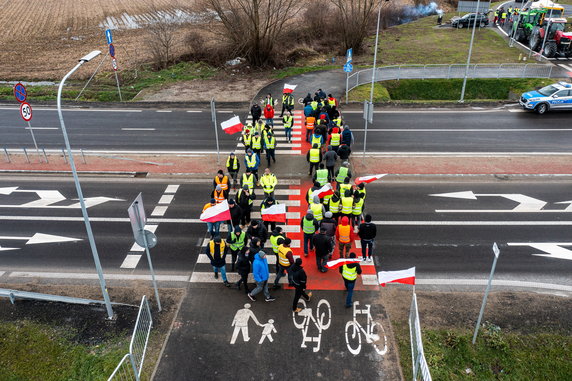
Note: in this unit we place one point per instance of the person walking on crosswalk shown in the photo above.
(252, 161)
(299, 279)
(233, 167)
(309, 225)
(367, 232)
(350, 273)
(268, 182)
(236, 241)
(270, 148)
(288, 123)
(256, 112)
(261, 275)
(269, 115)
(344, 236)
(285, 262)
(314, 157)
(245, 199)
(287, 103)
(216, 251)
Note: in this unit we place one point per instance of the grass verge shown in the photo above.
(413, 90)
(497, 355)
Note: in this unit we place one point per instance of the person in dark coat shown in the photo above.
(256, 112)
(299, 280)
(243, 269)
(347, 136)
(323, 247)
(330, 225)
(253, 249)
(308, 99)
(235, 214)
(245, 200)
(344, 152)
(216, 251)
(256, 229)
(367, 232)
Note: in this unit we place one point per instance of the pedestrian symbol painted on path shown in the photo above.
(322, 322)
(240, 324)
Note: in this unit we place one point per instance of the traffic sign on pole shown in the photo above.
(349, 56)
(114, 63)
(348, 68)
(112, 50)
(108, 36)
(20, 92)
(26, 111)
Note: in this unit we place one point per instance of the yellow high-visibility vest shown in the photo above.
(347, 205)
(315, 155)
(282, 258)
(349, 273)
(256, 142)
(317, 210)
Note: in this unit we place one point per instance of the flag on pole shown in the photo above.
(340, 262)
(288, 89)
(219, 212)
(276, 213)
(232, 126)
(369, 179)
(326, 190)
(401, 276)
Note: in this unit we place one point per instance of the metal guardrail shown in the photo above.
(16, 294)
(420, 367)
(130, 366)
(398, 72)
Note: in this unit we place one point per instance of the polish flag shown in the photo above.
(326, 190)
(232, 126)
(340, 262)
(369, 179)
(288, 89)
(275, 213)
(219, 212)
(401, 276)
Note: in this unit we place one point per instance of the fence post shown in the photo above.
(524, 70)
(64, 155)
(7, 155)
(83, 156)
(550, 72)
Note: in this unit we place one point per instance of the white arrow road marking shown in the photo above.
(569, 207)
(93, 201)
(553, 249)
(50, 197)
(526, 204)
(7, 190)
(41, 238)
(9, 248)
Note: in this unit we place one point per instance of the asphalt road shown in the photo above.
(482, 131)
(415, 229)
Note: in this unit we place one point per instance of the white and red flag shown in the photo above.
(401, 276)
(323, 191)
(219, 212)
(232, 126)
(275, 213)
(288, 89)
(369, 179)
(340, 262)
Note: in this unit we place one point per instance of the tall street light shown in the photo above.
(469, 57)
(83, 60)
(370, 106)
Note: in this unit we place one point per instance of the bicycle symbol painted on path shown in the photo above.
(373, 332)
(322, 321)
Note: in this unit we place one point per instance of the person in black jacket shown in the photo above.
(243, 269)
(367, 232)
(344, 152)
(256, 229)
(253, 249)
(323, 247)
(256, 112)
(216, 251)
(235, 215)
(299, 279)
(245, 200)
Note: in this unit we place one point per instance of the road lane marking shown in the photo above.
(137, 129)
(173, 188)
(166, 199)
(93, 276)
(131, 261)
(42, 128)
(159, 211)
(164, 111)
(194, 111)
(463, 130)
(568, 68)
(496, 282)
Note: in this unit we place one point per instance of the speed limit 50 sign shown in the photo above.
(26, 111)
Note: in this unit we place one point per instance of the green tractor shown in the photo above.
(524, 24)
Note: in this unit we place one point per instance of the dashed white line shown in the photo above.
(166, 199)
(172, 188)
(159, 211)
(130, 261)
(138, 129)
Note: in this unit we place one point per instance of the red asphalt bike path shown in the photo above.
(331, 280)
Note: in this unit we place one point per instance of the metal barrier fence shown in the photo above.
(420, 367)
(130, 366)
(398, 72)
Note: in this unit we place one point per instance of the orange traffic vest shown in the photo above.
(223, 183)
(219, 196)
(344, 233)
(310, 122)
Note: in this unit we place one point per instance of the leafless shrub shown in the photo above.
(354, 18)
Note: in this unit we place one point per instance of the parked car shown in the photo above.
(557, 96)
(467, 20)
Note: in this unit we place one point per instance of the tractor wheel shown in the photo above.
(541, 108)
(535, 40)
(550, 49)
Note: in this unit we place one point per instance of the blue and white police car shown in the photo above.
(557, 96)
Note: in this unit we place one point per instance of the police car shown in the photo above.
(557, 96)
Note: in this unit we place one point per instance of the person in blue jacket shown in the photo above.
(261, 274)
(347, 136)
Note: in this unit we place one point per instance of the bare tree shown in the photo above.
(354, 20)
(161, 42)
(253, 28)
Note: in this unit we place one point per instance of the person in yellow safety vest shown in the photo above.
(219, 195)
(287, 103)
(258, 127)
(269, 100)
(314, 104)
(256, 144)
(343, 172)
(285, 262)
(233, 166)
(332, 104)
(309, 195)
(276, 239)
(222, 180)
(357, 210)
(236, 242)
(337, 121)
(503, 17)
(247, 180)
(346, 186)
(350, 273)
(310, 124)
(496, 16)
(334, 205)
(321, 175)
(309, 226)
(288, 122)
(270, 147)
(344, 236)
(216, 251)
(247, 139)
(335, 139)
(347, 202)
(314, 157)
(317, 138)
(360, 189)
(268, 182)
(317, 209)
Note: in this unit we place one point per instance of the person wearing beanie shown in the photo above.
(245, 199)
(276, 239)
(247, 134)
(361, 190)
(317, 209)
(219, 194)
(248, 179)
(267, 203)
(323, 247)
(299, 279)
(321, 175)
(334, 206)
(350, 273)
(314, 157)
(343, 172)
(344, 235)
(233, 167)
(256, 112)
(261, 275)
(285, 262)
(330, 157)
(357, 210)
(221, 180)
(257, 229)
(243, 269)
(252, 161)
(309, 225)
(347, 136)
(314, 188)
(347, 205)
(212, 227)
(236, 242)
(216, 251)
(253, 249)
(344, 151)
(329, 225)
(367, 232)
(235, 215)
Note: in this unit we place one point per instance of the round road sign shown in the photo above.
(26, 111)
(112, 50)
(114, 64)
(20, 92)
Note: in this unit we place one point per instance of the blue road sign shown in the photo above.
(348, 67)
(349, 56)
(20, 92)
(112, 50)
(108, 36)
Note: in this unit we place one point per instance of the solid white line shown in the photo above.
(137, 129)
(166, 199)
(172, 189)
(194, 111)
(496, 282)
(285, 202)
(464, 154)
(130, 261)
(464, 130)
(42, 128)
(427, 111)
(475, 223)
(93, 276)
(159, 211)
(164, 111)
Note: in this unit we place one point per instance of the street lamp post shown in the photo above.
(83, 60)
(469, 57)
(369, 109)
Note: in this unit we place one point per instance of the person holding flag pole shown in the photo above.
(350, 269)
